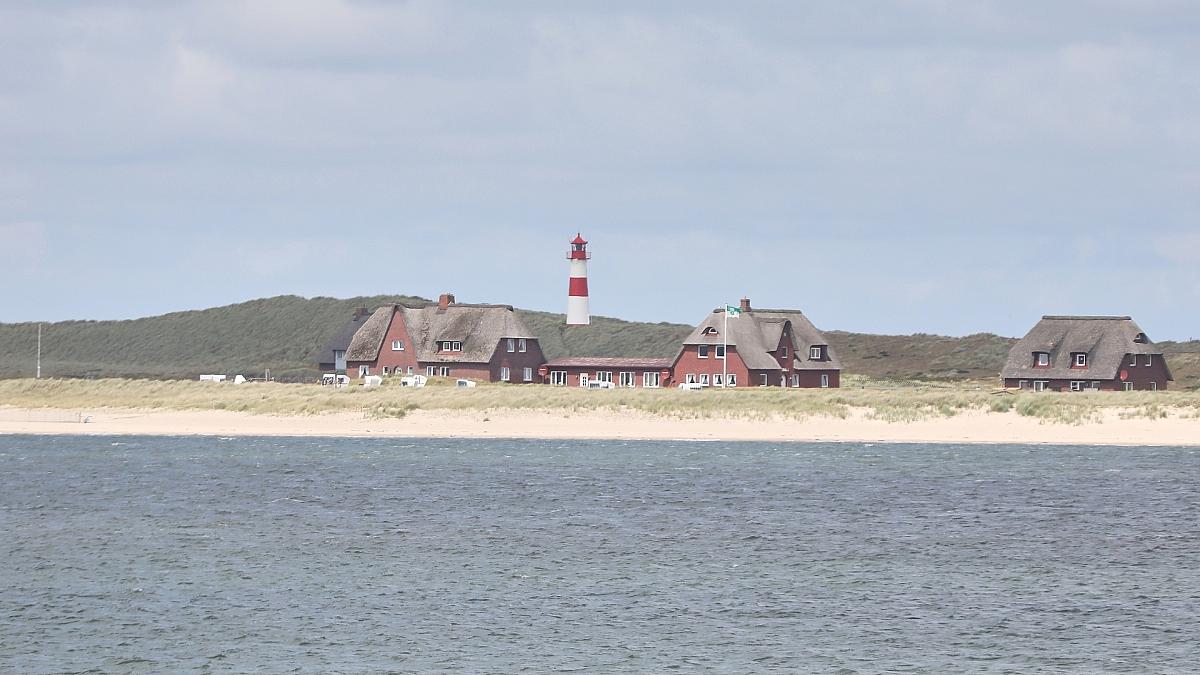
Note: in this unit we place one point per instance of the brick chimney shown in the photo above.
(444, 301)
(745, 304)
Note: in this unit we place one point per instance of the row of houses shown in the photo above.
(758, 348)
(773, 348)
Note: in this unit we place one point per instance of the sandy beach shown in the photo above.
(970, 427)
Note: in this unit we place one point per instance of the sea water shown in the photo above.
(256, 554)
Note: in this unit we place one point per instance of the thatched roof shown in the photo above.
(756, 334)
(340, 341)
(1107, 340)
(648, 363)
(479, 328)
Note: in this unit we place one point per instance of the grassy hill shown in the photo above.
(285, 333)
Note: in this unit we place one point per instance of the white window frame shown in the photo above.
(1081, 360)
(710, 331)
(522, 345)
(385, 370)
(431, 371)
(505, 373)
(1095, 385)
(784, 350)
(1128, 386)
(1153, 386)
(512, 345)
(824, 380)
(814, 353)
(651, 379)
(1037, 359)
(1077, 385)
(604, 376)
(444, 371)
(397, 345)
(1021, 384)
(718, 380)
(1040, 385)
(558, 378)
(703, 379)
(719, 350)
(1149, 360)
(457, 346)
(627, 379)
(1132, 360)
(731, 380)
(702, 351)
(527, 374)
(410, 370)
(690, 378)
(364, 371)
(795, 380)
(762, 380)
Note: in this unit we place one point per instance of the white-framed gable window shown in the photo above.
(783, 351)
(527, 374)
(504, 373)
(397, 345)
(702, 351)
(1149, 359)
(512, 345)
(814, 353)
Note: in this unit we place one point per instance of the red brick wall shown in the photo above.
(573, 373)
(689, 361)
(516, 361)
(1140, 376)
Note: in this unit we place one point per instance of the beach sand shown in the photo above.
(973, 427)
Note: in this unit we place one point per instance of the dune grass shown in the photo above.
(884, 400)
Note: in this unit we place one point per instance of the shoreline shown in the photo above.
(975, 427)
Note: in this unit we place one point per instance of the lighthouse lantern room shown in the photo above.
(577, 291)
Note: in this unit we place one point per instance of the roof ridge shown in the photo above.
(1085, 317)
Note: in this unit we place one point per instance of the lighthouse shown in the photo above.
(577, 292)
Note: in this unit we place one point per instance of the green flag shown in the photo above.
(733, 312)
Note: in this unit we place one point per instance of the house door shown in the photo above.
(583, 380)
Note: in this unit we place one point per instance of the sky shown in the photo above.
(887, 166)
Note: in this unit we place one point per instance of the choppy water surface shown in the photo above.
(144, 554)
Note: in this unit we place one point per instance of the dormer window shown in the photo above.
(451, 346)
(709, 331)
(1080, 359)
(1141, 338)
(815, 353)
(1041, 359)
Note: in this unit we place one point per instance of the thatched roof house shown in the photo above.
(1076, 353)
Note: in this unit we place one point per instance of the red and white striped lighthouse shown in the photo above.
(577, 292)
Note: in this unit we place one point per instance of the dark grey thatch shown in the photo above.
(340, 341)
(480, 329)
(756, 335)
(1107, 340)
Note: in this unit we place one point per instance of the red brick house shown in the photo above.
(479, 342)
(648, 373)
(1086, 353)
(766, 348)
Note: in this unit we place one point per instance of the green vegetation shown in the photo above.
(887, 401)
(286, 333)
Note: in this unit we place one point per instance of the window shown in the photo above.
(363, 371)
(703, 379)
(1080, 360)
(604, 376)
(583, 379)
(762, 380)
(558, 378)
(457, 346)
(445, 345)
(627, 380)
(1128, 386)
(385, 370)
(1153, 386)
(1041, 359)
(783, 351)
(397, 345)
(1039, 385)
(709, 331)
(720, 349)
(825, 380)
(504, 373)
(814, 353)
(1095, 386)
(651, 380)
(521, 345)
(1132, 360)
(512, 345)
(527, 375)
(702, 351)
(1021, 384)
(444, 371)
(430, 371)
(690, 379)
(795, 379)
(410, 370)
(1076, 385)
(731, 380)
(718, 380)
(1149, 359)
(1140, 338)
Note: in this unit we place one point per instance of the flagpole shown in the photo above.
(725, 351)
(39, 354)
